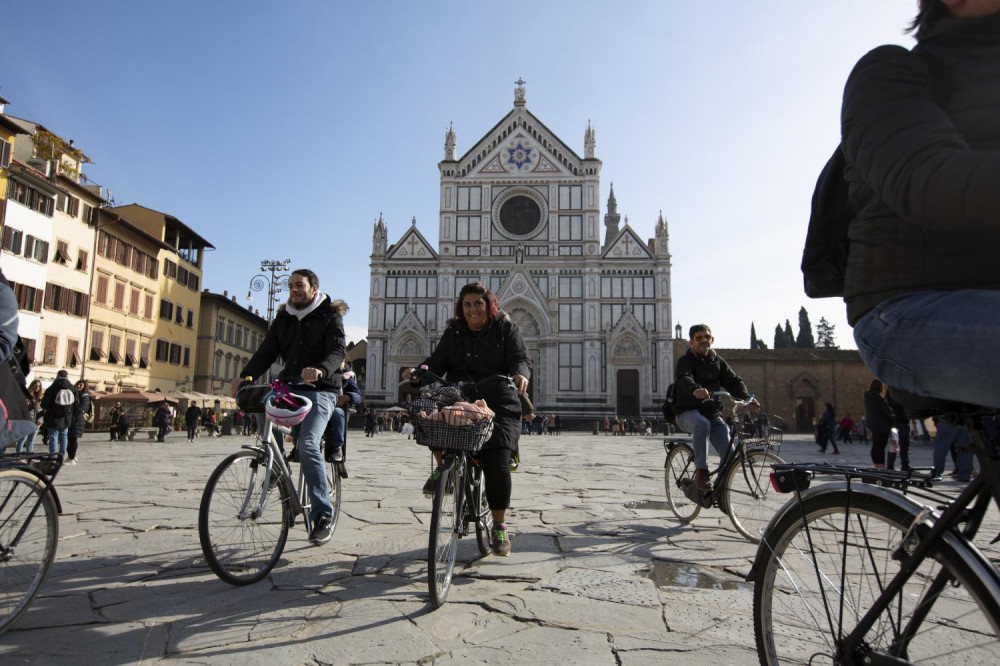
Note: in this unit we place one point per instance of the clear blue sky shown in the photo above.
(282, 129)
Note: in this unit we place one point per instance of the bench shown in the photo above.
(151, 432)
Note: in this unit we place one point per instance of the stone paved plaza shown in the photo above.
(600, 572)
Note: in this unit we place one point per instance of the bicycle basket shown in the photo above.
(251, 398)
(440, 424)
(762, 431)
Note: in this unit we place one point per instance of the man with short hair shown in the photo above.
(58, 402)
(700, 372)
(308, 335)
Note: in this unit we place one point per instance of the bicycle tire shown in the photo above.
(242, 550)
(24, 566)
(335, 488)
(443, 542)
(680, 466)
(481, 508)
(747, 494)
(794, 622)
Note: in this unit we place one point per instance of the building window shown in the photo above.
(175, 353)
(166, 311)
(30, 197)
(190, 319)
(97, 346)
(130, 358)
(81, 260)
(144, 355)
(148, 312)
(571, 366)
(12, 239)
(542, 282)
(220, 330)
(218, 364)
(62, 253)
(570, 197)
(115, 349)
(229, 333)
(570, 286)
(169, 269)
(119, 296)
(6, 148)
(571, 316)
(102, 289)
(28, 298)
(570, 227)
(187, 357)
(133, 302)
(470, 198)
(468, 228)
(410, 286)
(179, 318)
(72, 353)
(462, 280)
(36, 249)
(50, 345)
(162, 351)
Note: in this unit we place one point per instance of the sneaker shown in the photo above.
(71, 461)
(937, 477)
(335, 455)
(501, 541)
(515, 461)
(322, 531)
(431, 484)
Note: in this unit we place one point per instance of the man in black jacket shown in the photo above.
(700, 372)
(308, 335)
(59, 400)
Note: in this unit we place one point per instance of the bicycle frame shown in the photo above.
(275, 460)
(967, 511)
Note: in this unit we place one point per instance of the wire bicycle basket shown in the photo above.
(761, 431)
(442, 420)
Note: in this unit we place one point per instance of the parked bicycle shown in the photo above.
(29, 529)
(741, 487)
(251, 501)
(444, 422)
(880, 568)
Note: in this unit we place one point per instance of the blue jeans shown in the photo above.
(27, 443)
(58, 440)
(947, 435)
(936, 343)
(703, 429)
(310, 452)
(336, 431)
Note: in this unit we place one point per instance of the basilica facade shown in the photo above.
(520, 211)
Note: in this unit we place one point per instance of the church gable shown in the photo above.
(520, 285)
(519, 144)
(412, 246)
(627, 245)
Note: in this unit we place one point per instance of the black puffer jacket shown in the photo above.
(318, 341)
(711, 372)
(934, 165)
(464, 355)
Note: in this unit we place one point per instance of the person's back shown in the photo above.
(919, 129)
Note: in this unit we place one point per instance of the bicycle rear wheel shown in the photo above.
(241, 538)
(680, 468)
(748, 496)
(480, 510)
(825, 570)
(24, 560)
(444, 532)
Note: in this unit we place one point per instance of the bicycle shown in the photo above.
(250, 501)
(859, 572)
(27, 539)
(460, 492)
(742, 486)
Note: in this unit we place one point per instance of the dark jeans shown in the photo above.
(496, 470)
(71, 447)
(879, 439)
(904, 451)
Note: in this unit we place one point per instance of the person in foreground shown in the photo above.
(700, 372)
(481, 341)
(920, 131)
(308, 335)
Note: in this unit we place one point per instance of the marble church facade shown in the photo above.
(520, 211)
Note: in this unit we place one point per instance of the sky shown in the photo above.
(282, 130)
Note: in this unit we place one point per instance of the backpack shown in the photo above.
(834, 207)
(668, 406)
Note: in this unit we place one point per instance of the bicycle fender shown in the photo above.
(49, 486)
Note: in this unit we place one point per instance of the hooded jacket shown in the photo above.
(920, 129)
(58, 401)
(315, 341)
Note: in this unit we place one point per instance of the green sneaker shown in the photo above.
(515, 461)
(501, 541)
(431, 483)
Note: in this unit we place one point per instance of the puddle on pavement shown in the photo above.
(672, 574)
(648, 504)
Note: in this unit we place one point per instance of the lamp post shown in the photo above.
(274, 278)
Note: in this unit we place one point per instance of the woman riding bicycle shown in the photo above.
(481, 342)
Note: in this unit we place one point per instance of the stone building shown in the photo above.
(520, 211)
(228, 335)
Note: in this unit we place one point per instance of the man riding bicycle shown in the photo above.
(308, 335)
(700, 372)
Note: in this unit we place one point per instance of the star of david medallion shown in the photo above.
(519, 155)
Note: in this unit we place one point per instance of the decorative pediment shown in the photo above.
(627, 245)
(520, 144)
(520, 285)
(412, 246)
(627, 338)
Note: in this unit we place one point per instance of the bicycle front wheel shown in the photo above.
(27, 542)
(680, 469)
(444, 532)
(242, 524)
(748, 496)
(481, 512)
(826, 568)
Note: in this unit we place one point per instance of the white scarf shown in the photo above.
(300, 314)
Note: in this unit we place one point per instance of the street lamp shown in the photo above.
(275, 283)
